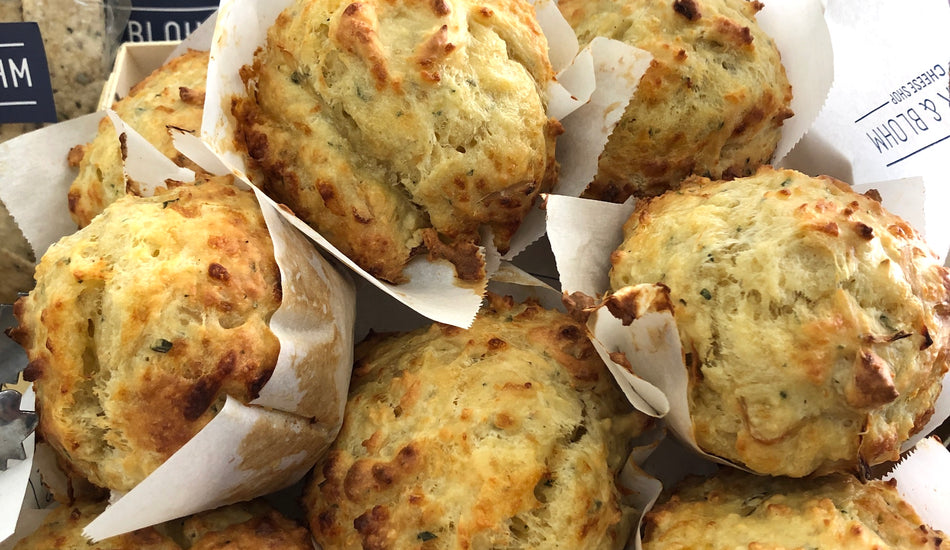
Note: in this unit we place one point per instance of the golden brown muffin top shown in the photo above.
(143, 321)
(172, 96)
(506, 435)
(394, 127)
(245, 526)
(737, 510)
(813, 322)
(711, 103)
(62, 530)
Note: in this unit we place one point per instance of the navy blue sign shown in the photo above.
(153, 20)
(26, 94)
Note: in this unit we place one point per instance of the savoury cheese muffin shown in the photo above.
(738, 510)
(171, 97)
(62, 530)
(246, 526)
(143, 321)
(506, 435)
(711, 103)
(398, 127)
(813, 322)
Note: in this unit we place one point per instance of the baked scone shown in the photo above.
(62, 530)
(171, 97)
(711, 103)
(506, 435)
(813, 322)
(395, 127)
(245, 526)
(143, 321)
(738, 510)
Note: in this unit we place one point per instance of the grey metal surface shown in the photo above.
(15, 426)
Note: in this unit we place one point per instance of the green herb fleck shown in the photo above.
(783, 394)
(296, 77)
(162, 346)
(787, 182)
(705, 294)
(166, 203)
(887, 323)
(425, 536)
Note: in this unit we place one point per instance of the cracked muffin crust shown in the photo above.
(712, 102)
(141, 322)
(506, 435)
(398, 127)
(739, 510)
(814, 323)
(171, 97)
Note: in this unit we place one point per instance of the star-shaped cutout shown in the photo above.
(15, 426)
(12, 357)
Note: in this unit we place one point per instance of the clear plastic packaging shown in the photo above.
(80, 38)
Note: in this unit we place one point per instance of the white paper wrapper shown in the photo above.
(432, 290)
(602, 78)
(888, 114)
(923, 479)
(584, 233)
(246, 451)
(803, 38)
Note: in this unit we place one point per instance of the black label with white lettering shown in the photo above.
(153, 20)
(26, 94)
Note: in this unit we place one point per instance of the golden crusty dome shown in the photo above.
(711, 103)
(244, 526)
(62, 530)
(393, 126)
(506, 435)
(738, 510)
(813, 322)
(172, 96)
(141, 322)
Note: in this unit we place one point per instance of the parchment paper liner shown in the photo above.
(583, 234)
(875, 89)
(432, 290)
(247, 450)
(923, 479)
